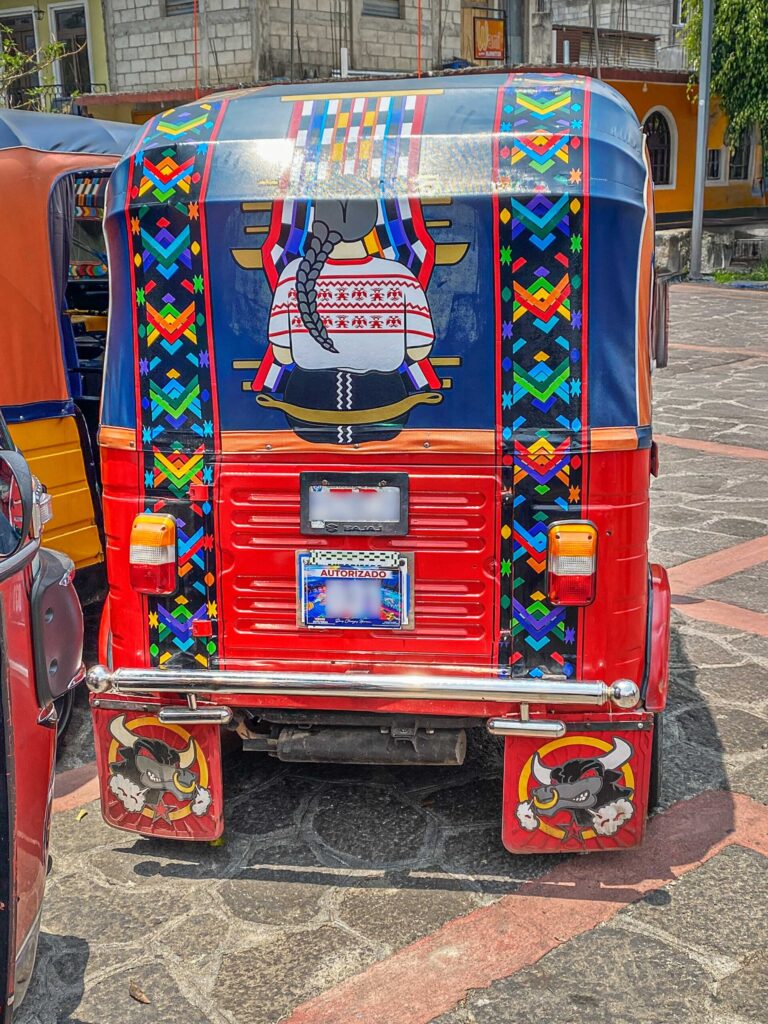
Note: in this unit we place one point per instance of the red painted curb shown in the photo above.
(432, 975)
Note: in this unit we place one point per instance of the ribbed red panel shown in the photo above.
(451, 535)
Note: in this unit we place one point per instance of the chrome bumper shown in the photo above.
(622, 694)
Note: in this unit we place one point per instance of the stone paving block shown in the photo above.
(478, 853)
(370, 825)
(265, 982)
(727, 730)
(109, 1002)
(675, 957)
(475, 803)
(747, 589)
(706, 907)
(752, 780)
(397, 916)
(271, 902)
(744, 993)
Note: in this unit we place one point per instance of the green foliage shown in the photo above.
(758, 273)
(16, 65)
(739, 60)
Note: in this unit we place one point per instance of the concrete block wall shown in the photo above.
(241, 41)
(641, 16)
(152, 51)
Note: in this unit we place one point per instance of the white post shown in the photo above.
(702, 135)
(344, 62)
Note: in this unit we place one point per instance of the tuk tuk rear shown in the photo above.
(379, 359)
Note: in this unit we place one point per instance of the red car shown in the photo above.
(41, 639)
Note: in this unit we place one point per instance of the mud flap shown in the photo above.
(582, 793)
(156, 779)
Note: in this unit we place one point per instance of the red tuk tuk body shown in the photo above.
(376, 448)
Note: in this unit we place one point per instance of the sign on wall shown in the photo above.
(489, 38)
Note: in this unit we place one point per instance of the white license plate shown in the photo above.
(351, 503)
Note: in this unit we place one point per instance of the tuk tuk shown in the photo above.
(376, 448)
(55, 293)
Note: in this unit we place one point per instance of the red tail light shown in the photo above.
(572, 563)
(153, 554)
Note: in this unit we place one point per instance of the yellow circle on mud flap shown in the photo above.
(202, 764)
(566, 741)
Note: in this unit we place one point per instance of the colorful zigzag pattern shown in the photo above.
(175, 360)
(538, 163)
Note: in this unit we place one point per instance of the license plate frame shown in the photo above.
(324, 578)
(355, 485)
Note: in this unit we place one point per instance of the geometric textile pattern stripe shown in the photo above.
(356, 137)
(374, 138)
(540, 155)
(176, 401)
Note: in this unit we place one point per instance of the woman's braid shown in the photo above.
(312, 262)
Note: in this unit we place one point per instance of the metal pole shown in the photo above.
(702, 133)
(292, 35)
(596, 37)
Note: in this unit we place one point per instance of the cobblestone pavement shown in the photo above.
(326, 871)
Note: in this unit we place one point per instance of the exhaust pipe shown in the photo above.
(362, 745)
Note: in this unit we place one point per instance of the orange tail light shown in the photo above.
(572, 562)
(153, 554)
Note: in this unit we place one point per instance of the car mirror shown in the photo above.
(16, 503)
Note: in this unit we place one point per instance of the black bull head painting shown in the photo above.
(151, 768)
(590, 789)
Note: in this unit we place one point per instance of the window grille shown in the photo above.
(659, 136)
(178, 7)
(738, 168)
(714, 164)
(382, 8)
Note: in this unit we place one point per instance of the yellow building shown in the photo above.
(667, 107)
(79, 24)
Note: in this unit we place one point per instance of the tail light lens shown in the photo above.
(572, 563)
(153, 554)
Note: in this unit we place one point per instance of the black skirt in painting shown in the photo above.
(342, 391)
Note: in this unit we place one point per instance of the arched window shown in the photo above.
(659, 135)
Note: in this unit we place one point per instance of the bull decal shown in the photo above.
(150, 770)
(590, 790)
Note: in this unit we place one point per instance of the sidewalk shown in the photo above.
(384, 896)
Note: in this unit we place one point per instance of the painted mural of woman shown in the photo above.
(354, 330)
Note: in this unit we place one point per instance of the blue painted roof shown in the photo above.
(64, 133)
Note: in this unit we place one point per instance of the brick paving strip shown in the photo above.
(431, 976)
(75, 787)
(750, 353)
(699, 572)
(732, 451)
